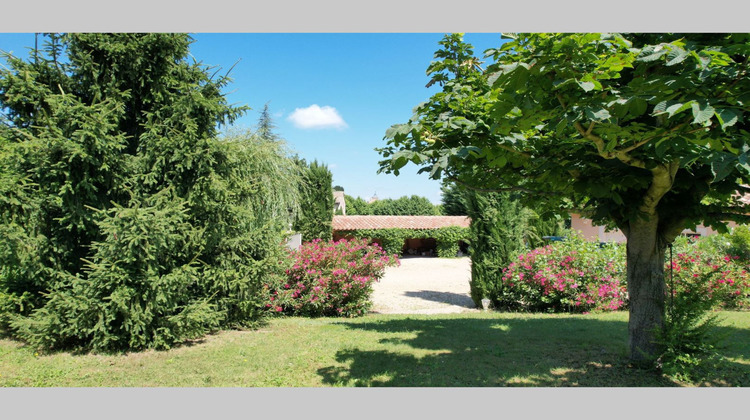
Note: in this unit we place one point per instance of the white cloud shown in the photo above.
(315, 116)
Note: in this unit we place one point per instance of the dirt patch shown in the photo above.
(424, 285)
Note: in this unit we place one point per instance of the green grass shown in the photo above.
(486, 349)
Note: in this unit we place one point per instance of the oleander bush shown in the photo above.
(329, 279)
(576, 275)
(570, 276)
(711, 275)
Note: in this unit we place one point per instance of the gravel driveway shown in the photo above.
(425, 285)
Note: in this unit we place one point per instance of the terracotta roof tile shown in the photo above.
(405, 222)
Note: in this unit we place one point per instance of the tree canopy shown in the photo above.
(413, 205)
(646, 132)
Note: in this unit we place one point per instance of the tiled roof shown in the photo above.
(404, 222)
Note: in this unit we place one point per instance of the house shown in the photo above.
(344, 226)
(600, 233)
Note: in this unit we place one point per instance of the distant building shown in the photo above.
(600, 233)
(339, 203)
(594, 232)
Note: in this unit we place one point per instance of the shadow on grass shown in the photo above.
(443, 297)
(457, 352)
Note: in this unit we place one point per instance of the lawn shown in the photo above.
(485, 349)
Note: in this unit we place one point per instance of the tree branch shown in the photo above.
(672, 229)
(591, 128)
(663, 178)
(622, 156)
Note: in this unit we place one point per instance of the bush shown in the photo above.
(736, 244)
(708, 274)
(137, 292)
(329, 279)
(571, 276)
(688, 340)
(576, 275)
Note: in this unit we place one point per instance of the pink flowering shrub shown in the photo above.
(329, 279)
(580, 276)
(706, 275)
(570, 276)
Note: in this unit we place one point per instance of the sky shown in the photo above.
(332, 96)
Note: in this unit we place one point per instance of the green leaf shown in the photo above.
(600, 114)
(396, 129)
(677, 107)
(661, 147)
(743, 163)
(611, 145)
(716, 144)
(651, 53)
(499, 162)
(722, 166)
(676, 56)
(660, 108)
(463, 152)
(727, 117)
(638, 106)
(586, 86)
(702, 112)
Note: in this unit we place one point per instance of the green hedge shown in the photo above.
(392, 239)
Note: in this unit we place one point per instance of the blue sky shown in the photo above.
(346, 89)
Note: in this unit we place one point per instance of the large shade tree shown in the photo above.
(645, 132)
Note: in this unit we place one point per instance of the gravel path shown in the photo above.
(424, 285)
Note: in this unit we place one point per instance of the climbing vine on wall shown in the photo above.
(392, 239)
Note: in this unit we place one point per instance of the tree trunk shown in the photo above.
(646, 288)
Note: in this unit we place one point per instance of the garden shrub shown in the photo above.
(329, 279)
(739, 241)
(689, 339)
(578, 275)
(137, 292)
(570, 276)
(722, 278)
(702, 276)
